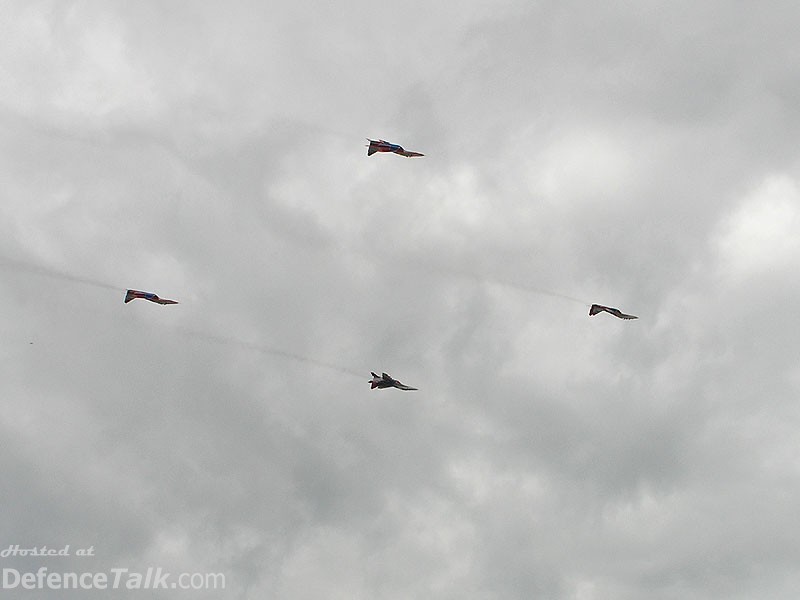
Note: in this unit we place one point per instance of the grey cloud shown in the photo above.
(642, 157)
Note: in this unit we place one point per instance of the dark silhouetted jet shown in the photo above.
(596, 308)
(386, 381)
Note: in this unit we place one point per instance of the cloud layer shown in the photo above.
(641, 157)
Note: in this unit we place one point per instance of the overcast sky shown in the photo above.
(642, 155)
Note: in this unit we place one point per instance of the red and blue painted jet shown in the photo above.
(384, 146)
(133, 294)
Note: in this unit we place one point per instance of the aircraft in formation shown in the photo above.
(598, 308)
(386, 381)
(384, 146)
(134, 294)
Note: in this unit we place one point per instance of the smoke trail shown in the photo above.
(232, 341)
(416, 264)
(207, 337)
(54, 274)
(447, 271)
(520, 288)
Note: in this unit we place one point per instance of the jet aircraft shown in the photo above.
(133, 294)
(596, 308)
(386, 381)
(384, 146)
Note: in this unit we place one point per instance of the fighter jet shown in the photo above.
(386, 381)
(133, 294)
(384, 146)
(596, 308)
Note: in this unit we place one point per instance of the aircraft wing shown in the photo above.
(409, 153)
(134, 294)
(377, 146)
